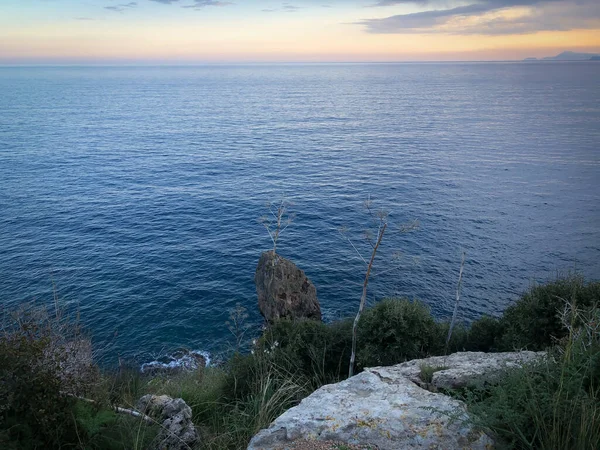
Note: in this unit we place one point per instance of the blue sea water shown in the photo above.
(137, 190)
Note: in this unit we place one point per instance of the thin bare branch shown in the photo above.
(363, 299)
(357, 252)
(116, 408)
(386, 271)
(458, 286)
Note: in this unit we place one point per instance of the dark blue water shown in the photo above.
(137, 190)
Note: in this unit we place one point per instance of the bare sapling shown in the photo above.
(237, 325)
(381, 219)
(455, 313)
(363, 298)
(277, 221)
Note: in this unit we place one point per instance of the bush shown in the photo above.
(396, 330)
(45, 363)
(482, 334)
(533, 323)
(554, 404)
(318, 351)
(34, 412)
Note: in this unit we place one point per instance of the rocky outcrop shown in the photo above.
(393, 408)
(460, 369)
(378, 408)
(284, 290)
(177, 430)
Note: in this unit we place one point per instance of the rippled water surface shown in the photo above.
(137, 190)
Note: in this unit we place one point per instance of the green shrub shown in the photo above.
(318, 351)
(34, 412)
(553, 404)
(396, 330)
(482, 334)
(533, 322)
(458, 340)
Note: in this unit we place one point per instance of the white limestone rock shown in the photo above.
(461, 369)
(379, 408)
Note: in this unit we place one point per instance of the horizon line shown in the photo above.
(267, 63)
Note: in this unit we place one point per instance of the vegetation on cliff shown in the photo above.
(551, 405)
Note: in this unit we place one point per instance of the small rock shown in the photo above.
(284, 291)
(177, 431)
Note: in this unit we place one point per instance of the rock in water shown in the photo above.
(379, 409)
(284, 291)
(177, 431)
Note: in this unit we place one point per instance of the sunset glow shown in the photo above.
(186, 31)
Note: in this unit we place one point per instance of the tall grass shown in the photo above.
(232, 404)
(552, 404)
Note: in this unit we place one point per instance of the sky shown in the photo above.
(224, 31)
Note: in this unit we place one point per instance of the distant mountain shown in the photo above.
(569, 56)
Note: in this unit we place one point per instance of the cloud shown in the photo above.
(286, 7)
(490, 17)
(165, 2)
(290, 8)
(122, 7)
(400, 2)
(200, 4)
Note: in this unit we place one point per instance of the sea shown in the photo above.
(135, 194)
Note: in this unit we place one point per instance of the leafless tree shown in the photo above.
(277, 221)
(380, 219)
(454, 314)
(237, 325)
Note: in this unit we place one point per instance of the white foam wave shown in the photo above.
(179, 360)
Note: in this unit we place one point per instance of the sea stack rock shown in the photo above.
(284, 291)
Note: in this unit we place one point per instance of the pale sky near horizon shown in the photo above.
(199, 31)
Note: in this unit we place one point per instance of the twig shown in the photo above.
(462, 265)
(363, 300)
(115, 408)
(354, 247)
